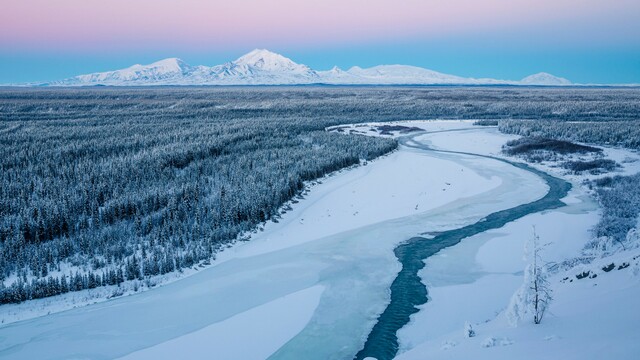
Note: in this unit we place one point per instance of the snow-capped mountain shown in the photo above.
(265, 60)
(402, 74)
(405, 74)
(336, 74)
(158, 71)
(263, 67)
(544, 79)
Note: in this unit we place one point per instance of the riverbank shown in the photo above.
(408, 291)
(339, 239)
(474, 281)
(313, 283)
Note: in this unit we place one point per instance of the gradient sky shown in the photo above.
(586, 41)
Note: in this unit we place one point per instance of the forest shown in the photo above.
(105, 185)
(620, 200)
(614, 133)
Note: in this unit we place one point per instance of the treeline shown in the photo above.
(615, 133)
(620, 200)
(619, 196)
(335, 105)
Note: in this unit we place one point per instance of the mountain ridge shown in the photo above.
(263, 67)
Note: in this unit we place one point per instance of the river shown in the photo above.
(408, 291)
(305, 289)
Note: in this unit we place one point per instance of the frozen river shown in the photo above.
(310, 286)
(408, 291)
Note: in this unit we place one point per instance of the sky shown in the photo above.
(586, 41)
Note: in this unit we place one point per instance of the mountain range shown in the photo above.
(263, 67)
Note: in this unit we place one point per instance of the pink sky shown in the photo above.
(122, 24)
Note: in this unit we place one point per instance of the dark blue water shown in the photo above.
(407, 290)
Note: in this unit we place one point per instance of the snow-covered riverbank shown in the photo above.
(338, 241)
(312, 284)
(474, 281)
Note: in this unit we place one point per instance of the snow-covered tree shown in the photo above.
(468, 330)
(635, 270)
(533, 297)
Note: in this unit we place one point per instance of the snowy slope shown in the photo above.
(338, 76)
(170, 69)
(544, 79)
(405, 74)
(590, 318)
(263, 67)
(265, 60)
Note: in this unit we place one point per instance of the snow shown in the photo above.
(158, 71)
(339, 238)
(170, 65)
(487, 141)
(269, 61)
(400, 185)
(475, 280)
(544, 79)
(589, 319)
(10, 313)
(404, 74)
(312, 284)
(585, 319)
(263, 67)
(629, 159)
(488, 269)
(263, 327)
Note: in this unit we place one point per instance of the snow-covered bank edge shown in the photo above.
(11, 313)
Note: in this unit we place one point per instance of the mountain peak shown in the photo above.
(261, 53)
(176, 62)
(266, 60)
(543, 78)
(165, 66)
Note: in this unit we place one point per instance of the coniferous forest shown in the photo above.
(103, 185)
